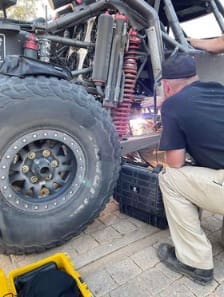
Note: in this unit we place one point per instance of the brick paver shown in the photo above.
(116, 256)
(123, 271)
(146, 258)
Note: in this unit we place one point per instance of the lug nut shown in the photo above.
(54, 163)
(44, 192)
(46, 153)
(25, 169)
(34, 179)
(31, 155)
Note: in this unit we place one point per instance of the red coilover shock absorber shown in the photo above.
(121, 114)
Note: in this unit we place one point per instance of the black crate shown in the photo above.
(139, 195)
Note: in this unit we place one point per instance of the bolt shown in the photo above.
(46, 153)
(31, 155)
(25, 169)
(54, 163)
(34, 179)
(44, 192)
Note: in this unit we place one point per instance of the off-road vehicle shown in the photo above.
(67, 86)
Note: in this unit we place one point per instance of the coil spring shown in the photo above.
(121, 113)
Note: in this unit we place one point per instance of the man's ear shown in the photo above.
(167, 88)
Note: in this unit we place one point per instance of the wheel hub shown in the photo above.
(42, 168)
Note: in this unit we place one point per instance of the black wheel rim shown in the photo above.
(42, 170)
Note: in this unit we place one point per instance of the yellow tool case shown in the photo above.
(9, 284)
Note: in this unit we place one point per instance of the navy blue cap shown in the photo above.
(178, 66)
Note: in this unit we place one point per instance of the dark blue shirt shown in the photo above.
(193, 119)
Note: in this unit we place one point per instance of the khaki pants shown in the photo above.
(185, 190)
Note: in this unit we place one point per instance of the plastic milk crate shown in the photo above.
(139, 195)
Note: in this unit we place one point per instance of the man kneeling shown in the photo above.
(192, 118)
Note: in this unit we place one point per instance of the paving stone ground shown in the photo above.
(116, 257)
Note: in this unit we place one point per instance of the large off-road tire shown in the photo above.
(59, 163)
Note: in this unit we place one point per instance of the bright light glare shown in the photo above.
(139, 126)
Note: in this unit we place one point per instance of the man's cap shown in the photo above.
(178, 66)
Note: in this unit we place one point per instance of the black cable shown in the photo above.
(147, 162)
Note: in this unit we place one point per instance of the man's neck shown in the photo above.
(185, 82)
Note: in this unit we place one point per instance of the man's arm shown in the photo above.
(175, 158)
(213, 45)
